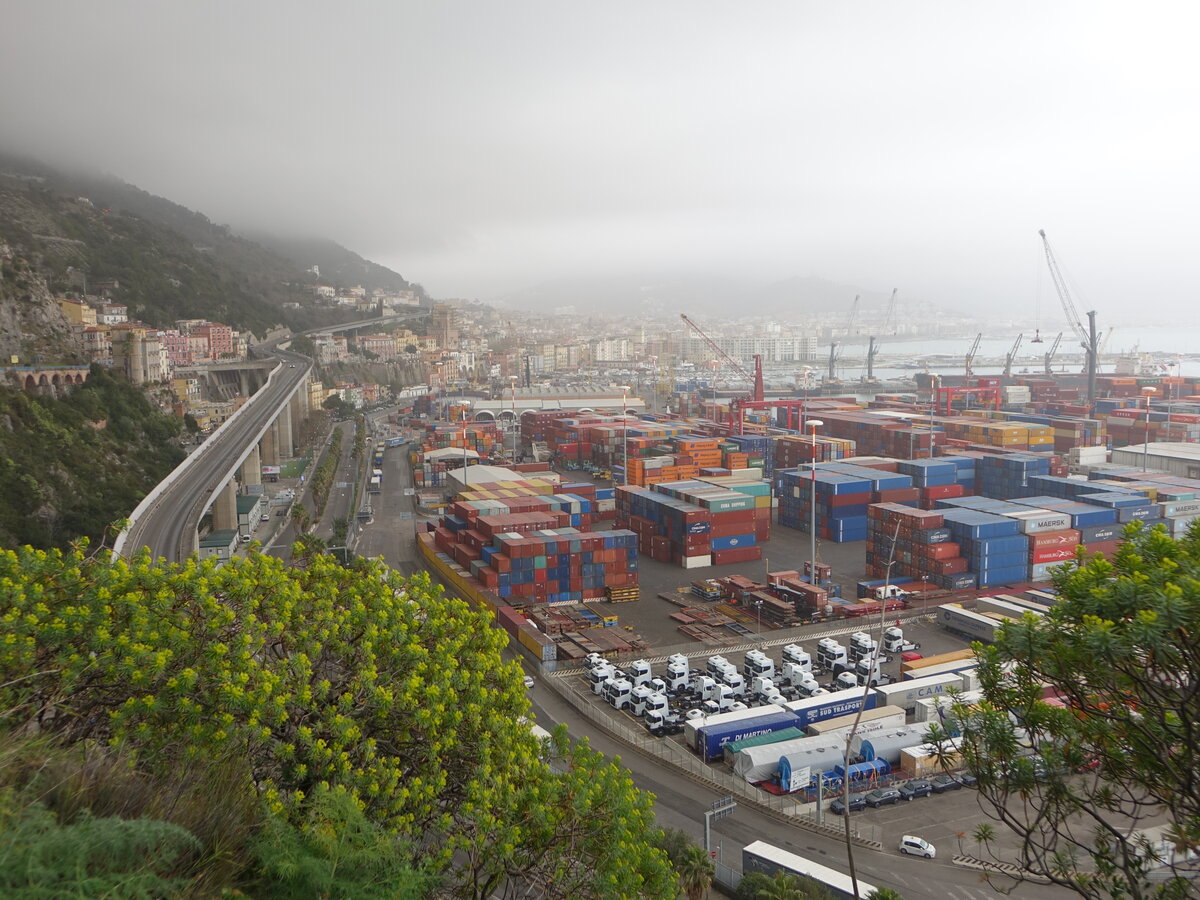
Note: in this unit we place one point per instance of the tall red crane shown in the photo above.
(756, 393)
(756, 396)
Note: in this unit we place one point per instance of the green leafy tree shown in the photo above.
(324, 677)
(750, 885)
(885, 894)
(696, 872)
(1077, 783)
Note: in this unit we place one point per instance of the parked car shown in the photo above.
(966, 779)
(911, 845)
(943, 783)
(838, 807)
(528, 681)
(918, 787)
(265, 517)
(882, 797)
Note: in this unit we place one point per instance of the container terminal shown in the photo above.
(964, 487)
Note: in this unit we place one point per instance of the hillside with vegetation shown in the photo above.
(316, 731)
(170, 262)
(72, 465)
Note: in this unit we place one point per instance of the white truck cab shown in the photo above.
(758, 664)
(599, 676)
(797, 655)
(618, 693)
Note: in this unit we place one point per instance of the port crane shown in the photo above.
(836, 347)
(1089, 338)
(971, 355)
(1012, 355)
(1050, 354)
(889, 319)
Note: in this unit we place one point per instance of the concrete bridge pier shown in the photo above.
(251, 472)
(298, 407)
(268, 448)
(285, 433)
(224, 508)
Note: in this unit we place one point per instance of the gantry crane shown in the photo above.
(1012, 355)
(1089, 339)
(837, 347)
(971, 355)
(1050, 354)
(872, 352)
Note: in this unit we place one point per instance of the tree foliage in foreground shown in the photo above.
(1122, 649)
(324, 678)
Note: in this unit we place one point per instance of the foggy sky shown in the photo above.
(480, 147)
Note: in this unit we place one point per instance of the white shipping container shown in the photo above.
(930, 709)
(1035, 521)
(905, 694)
(874, 719)
(1177, 526)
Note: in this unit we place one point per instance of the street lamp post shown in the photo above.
(624, 434)
(512, 380)
(814, 424)
(464, 415)
(933, 405)
(1148, 391)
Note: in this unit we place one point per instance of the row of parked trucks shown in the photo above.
(679, 692)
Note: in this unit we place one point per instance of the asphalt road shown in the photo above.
(169, 525)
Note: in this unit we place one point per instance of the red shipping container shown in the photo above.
(735, 515)
(942, 491)
(837, 500)
(736, 555)
(955, 566)
(1058, 540)
(1107, 549)
(948, 550)
(1054, 554)
(898, 495)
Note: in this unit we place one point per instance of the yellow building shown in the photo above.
(77, 312)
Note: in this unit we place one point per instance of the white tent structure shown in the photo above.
(450, 453)
(762, 762)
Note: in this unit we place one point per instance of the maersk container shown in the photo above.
(693, 725)
(969, 624)
(829, 706)
(905, 694)
(711, 739)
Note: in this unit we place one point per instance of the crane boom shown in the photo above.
(971, 354)
(853, 315)
(1064, 295)
(1012, 355)
(1050, 354)
(891, 311)
(755, 380)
